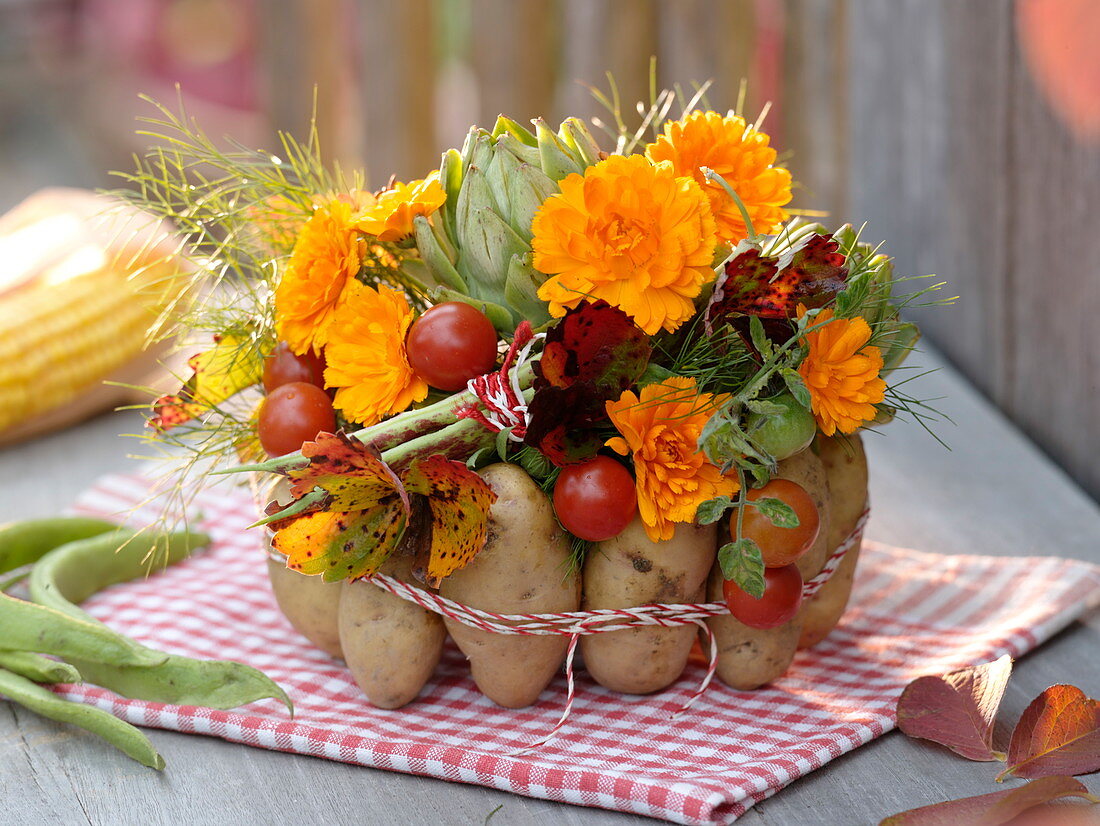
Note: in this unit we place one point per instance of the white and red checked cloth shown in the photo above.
(912, 613)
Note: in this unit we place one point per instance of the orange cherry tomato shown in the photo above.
(780, 546)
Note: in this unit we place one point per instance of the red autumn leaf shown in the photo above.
(957, 709)
(342, 545)
(1058, 733)
(594, 343)
(589, 357)
(757, 284)
(459, 501)
(351, 473)
(992, 809)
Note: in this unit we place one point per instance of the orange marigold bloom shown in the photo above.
(661, 432)
(325, 257)
(390, 217)
(629, 232)
(366, 355)
(842, 373)
(739, 154)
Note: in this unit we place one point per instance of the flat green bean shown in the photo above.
(25, 626)
(45, 703)
(22, 543)
(74, 572)
(38, 668)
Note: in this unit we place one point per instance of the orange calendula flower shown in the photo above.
(660, 430)
(390, 217)
(326, 257)
(842, 373)
(630, 232)
(366, 355)
(739, 154)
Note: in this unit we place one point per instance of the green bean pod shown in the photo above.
(73, 572)
(45, 703)
(45, 630)
(38, 668)
(22, 543)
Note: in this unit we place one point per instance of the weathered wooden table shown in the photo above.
(993, 493)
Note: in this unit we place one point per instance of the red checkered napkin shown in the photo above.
(912, 613)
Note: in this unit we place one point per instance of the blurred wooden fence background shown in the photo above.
(928, 119)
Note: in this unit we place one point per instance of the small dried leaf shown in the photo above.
(594, 343)
(351, 473)
(224, 370)
(459, 500)
(1058, 733)
(957, 709)
(992, 809)
(342, 545)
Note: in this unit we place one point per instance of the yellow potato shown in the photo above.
(846, 467)
(631, 570)
(309, 603)
(523, 569)
(748, 657)
(391, 645)
(807, 470)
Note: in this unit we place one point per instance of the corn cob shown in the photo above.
(79, 310)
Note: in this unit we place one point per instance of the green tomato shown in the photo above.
(782, 434)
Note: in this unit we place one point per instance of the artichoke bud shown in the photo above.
(554, 154)
(500, 316)
(507, 126)
(524, 153)
(528, 189)
(576, 136)
(521, 289)
(450, 177)
(500, 170)
(488, 243)
(437, 254)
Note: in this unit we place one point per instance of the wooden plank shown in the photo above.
(514, 46)
(616, 36)
(397, 85)
(928, 160)
(1051, 285)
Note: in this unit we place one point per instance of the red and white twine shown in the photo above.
(500, 392)
(573, 624)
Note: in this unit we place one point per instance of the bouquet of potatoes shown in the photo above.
(565, 386)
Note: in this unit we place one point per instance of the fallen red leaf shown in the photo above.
(957, 709)
(1059, 733)
(992, 809)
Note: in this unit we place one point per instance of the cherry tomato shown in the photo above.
(292, 414)
(780, 602)
(595, 500)
(283, 367)
(451, 344)
(780, 546)
(785, 433)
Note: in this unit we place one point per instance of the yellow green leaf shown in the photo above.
(354, 477)
(342, 545)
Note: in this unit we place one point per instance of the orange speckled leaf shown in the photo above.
(459, 500)
(1058, 733)
(352, 474)
(342, 545)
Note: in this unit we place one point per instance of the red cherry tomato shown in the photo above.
(451, 344)
(595, 500)
(293, 414)
(781, 600)
(283, 367)
(780, 546)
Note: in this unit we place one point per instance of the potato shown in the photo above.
(748, 657)
(309, 603)
(631, 570)
(846, 467)
(391, 645)
(523, 569)
(807, 470)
